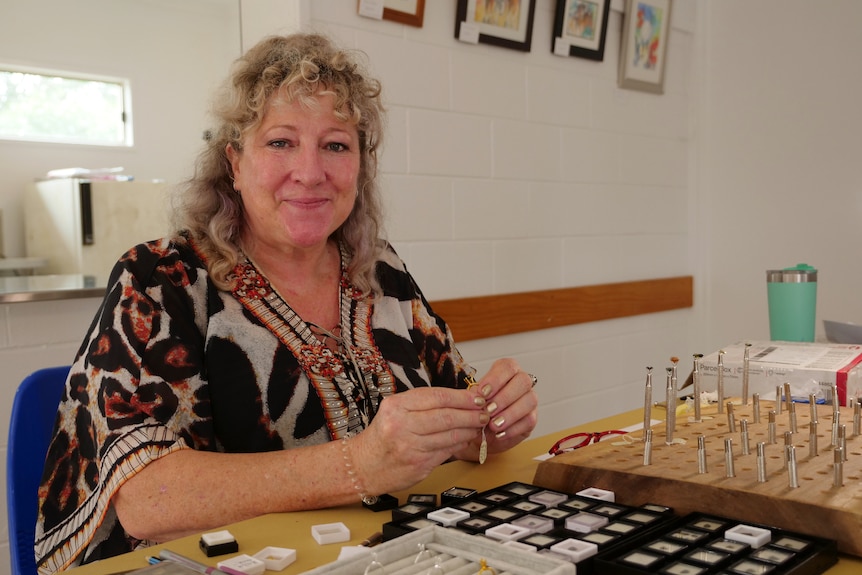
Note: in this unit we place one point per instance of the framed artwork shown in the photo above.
(506, 23)
(580, 28)
(643, 54)
(410, 12)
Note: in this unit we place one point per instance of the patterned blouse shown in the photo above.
(171, 362)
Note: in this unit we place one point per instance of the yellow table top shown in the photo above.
(293, 530)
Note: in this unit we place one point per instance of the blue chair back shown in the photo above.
(31, 425)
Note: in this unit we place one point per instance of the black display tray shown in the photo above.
(630, 540)
(704, 544)
(522, 503)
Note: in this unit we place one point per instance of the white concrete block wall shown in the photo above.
(516, 172)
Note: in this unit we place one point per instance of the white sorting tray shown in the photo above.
(397, 556)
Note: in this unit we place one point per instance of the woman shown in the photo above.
(240, 367)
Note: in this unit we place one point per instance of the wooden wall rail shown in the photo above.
(494, 315)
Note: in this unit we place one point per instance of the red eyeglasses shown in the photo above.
(578, 440)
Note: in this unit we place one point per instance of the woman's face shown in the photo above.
(297, 174)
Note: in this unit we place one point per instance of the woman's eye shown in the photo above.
(279, 143)
(336, 147)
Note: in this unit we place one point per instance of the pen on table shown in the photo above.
(372, 540)
(167, 554)
(153, 560)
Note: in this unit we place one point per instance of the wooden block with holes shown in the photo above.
(816, 507)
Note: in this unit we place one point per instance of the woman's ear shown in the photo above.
(233, 156)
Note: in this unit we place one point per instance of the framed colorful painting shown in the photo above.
(506, 23)
(580, 28)
(643, 54)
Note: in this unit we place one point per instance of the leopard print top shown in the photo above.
(172, 362)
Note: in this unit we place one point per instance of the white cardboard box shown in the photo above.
(807, 367)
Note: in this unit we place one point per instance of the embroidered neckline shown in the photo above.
(325, 368)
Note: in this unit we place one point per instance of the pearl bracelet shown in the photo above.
(354, 478)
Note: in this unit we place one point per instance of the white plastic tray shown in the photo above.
(397, 556)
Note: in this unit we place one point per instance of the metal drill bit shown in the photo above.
(720, 385)
(744, 439)
(755, 406)
(728, 457)
(648, 447)
(674, 386)
(674, 360)
(791, 467)
(701, 454)
(770, 427)
(648, 401)
(788, 441)
(838, 468)
(695, 378)
(836, 405)
(746, 361)
(731, 418)
(778, 397)
(812, 407)
(812, 439)
(842, 440)
(670, 420)
(792, 417)
(788, 398)
(836, 423)
(761, 462)
(857, 418)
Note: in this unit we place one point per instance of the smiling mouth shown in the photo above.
(306, 202)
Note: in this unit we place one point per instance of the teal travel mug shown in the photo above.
(792, 298)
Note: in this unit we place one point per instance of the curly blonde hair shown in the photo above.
(298, 67)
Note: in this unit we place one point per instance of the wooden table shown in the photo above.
(293, 530)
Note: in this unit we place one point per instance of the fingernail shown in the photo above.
(492, 407)
(499, 421)
(486, 391)
(478, 400)
(500, 435)
(484, 418)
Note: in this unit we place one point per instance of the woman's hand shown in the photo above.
(511, 405)
(412, 433)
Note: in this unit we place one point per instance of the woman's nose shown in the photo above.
(308, 168)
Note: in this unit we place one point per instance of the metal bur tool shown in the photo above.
(695, 378)
(728, 458)
(701, 454)
(670, 420)
(755, 406)
(720, 385)
(731, 418)
(761, 462)
(746, 361)
(648, 447)
(792, 473)
(812, 439)
(648, 400)
(838, 468)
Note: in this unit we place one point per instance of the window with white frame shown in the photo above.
(63, 107)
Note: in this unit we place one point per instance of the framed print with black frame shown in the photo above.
(505, 23)
(643, 53)
(580, 28)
